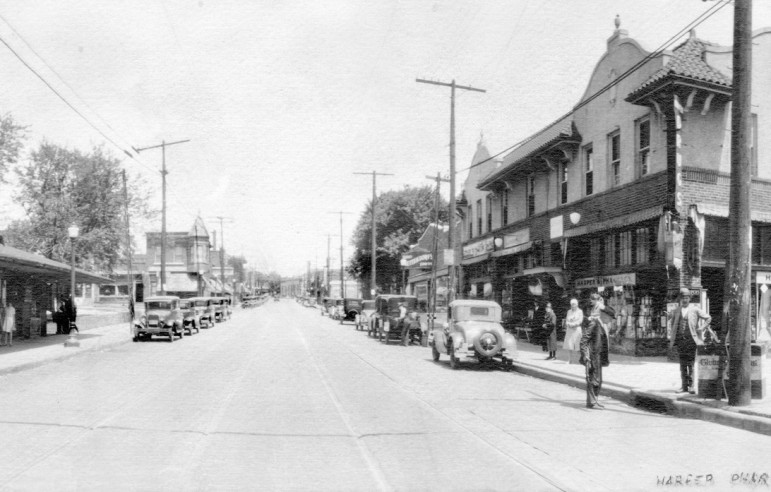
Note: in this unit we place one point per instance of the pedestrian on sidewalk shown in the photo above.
(9, 320)
(574, 318)
(550, 328)
(688, 326)
(594, 356)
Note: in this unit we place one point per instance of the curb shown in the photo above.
(58, 358)
(657, 402)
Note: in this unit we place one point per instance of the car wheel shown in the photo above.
(454, 362)
(435, 353)
(136, 339)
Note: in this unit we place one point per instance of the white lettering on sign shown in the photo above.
(418, 259)
(478, 248)
(606, 281)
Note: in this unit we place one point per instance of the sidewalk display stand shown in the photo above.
(710, 360)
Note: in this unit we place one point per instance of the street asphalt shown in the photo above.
(280, 398)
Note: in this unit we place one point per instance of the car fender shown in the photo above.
(440, 340)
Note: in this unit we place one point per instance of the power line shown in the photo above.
(699, 20)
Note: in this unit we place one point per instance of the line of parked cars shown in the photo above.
(473, 330)
(170, 316)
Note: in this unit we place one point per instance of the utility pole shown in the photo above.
(163, 146)
(129, 274)
(736, 315)
(435, 248)
(222, 250)
(451, 218)
(373, 279)
(326, 282)
(342, 281)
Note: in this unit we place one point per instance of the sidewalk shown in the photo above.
(647, 382)
(36, 351)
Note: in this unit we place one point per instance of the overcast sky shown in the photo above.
(283, 101)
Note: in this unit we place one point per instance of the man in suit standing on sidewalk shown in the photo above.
(688, 326)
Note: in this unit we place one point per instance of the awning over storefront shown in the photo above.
(25, 263)
(519, 248)
(475, 259)
(722, 211)
(616, 222)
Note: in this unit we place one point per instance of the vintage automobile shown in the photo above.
(220, 309)
(204, 307)
(350, 309)
(473, 331)
(365, 317)
(388, 325)
(162, 316)
(191, 317)
(332, 307)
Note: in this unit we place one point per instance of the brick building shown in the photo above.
(626, 195)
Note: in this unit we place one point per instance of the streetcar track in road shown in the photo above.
(401, 387)
(374, 469)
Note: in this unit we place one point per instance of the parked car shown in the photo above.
(220, 309)
(365, 317)
(350, 309)
(191, 318)
(388, 325)
(204, 306)
(473, 331)
(332, 307)
(162, 316)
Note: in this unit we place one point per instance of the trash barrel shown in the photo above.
(709, 366)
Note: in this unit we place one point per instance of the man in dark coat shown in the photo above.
(594, 351)
(688, 326)
(550, 329)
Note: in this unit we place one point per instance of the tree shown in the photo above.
(59, 187)
(11, 142)
(401, 218)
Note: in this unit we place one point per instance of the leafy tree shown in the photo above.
(401, 218)
(59, 187)
(11, 142)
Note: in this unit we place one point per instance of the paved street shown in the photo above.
(282, 398)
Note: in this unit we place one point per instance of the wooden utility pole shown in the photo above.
(736, 308)
(342, 280)
(373, 276)
(451, 217)
(435, 248)
(129, 274)
(162, 146)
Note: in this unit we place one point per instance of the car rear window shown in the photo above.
(200, 303)
(158, 305)
(479, 311)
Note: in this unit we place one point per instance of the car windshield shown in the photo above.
(159, 305)
(200, 303)
(184, 304)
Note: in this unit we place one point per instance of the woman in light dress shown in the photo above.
(573, 320)
(8, 322)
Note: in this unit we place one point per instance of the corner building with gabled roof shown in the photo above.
(626, 195)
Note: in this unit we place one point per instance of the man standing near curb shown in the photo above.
(688, 323)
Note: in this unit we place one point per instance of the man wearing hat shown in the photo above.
(688, 326)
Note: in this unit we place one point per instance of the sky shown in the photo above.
(283, 101)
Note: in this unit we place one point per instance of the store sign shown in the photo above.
(425, 264)
(555, 227)
(516, 238)
(449, 257)
(763, 277)
(478, 248)
(606, 281)
(417, 260)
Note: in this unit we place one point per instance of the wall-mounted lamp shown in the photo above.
(498, 242)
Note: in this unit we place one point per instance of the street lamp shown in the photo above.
(72, 232)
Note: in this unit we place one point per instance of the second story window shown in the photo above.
(479, 217)
(530, 195)
(505, 208)
(489, 211)
(614, 157)
(589, 171)
(564, 183)
(644, 145)
(470, 221)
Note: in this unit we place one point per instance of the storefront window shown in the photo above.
(643, 246)
(610, 251)
(625, 248)
(594, 253)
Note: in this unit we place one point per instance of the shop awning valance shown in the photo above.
(514, 249)
(476, 259)
(17, 261)
(722, 211)
(616, 222)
